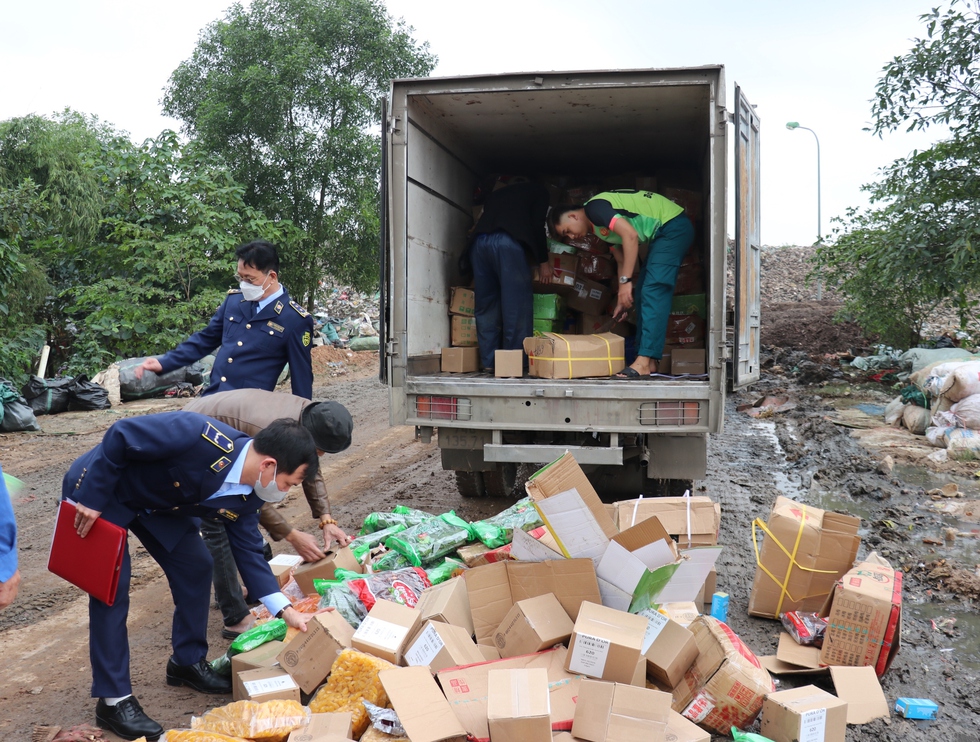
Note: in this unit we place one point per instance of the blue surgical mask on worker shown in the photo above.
(252, 292)
(269, 492)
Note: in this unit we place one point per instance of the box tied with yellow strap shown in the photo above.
(558, 356)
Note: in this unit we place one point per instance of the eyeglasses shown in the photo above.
(256, 281)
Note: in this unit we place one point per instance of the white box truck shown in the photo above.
(441, 137)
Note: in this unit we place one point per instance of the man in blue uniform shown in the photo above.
(157, 475)
(259, 330)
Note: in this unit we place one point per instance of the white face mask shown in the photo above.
(269, 492)
(252, 292)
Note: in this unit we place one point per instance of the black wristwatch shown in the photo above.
(279, 615)
(625, 279)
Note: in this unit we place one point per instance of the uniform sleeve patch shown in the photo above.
(217, 438)
(306, 338)
(302, 312)
(220, 465)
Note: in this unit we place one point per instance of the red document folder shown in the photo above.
(91, 563)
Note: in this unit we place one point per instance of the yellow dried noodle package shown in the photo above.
(375, 735)
(270, 721)
(197, 735)
(353, 678)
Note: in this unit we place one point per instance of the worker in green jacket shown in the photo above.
(626, 219)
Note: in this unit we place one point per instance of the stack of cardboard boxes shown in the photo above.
(464, 355)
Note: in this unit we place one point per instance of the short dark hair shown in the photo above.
(556, 213)
(290, 444)
(260, 255)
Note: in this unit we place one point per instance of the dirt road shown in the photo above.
(43, 637)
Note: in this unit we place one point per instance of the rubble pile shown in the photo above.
(344, 314)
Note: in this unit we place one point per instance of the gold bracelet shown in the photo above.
(327, 521)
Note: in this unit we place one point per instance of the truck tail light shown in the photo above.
(443, 408)
(669, 412)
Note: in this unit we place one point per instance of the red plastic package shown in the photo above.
(397, 585)
(805, 628)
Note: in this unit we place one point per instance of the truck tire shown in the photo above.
(501, 482)
(470, 484)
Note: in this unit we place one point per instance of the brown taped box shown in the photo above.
(462, 331)
(311, 654)
(532, 625)
(282, 567)
(806, 713)
(825, 545)
(606, 644)
(554, 356)
(462, 301)
(614, 712)
(268, 684)
(325, 728)
(262, 657)
(672, 650)
(726, 684)
(589, 297)
(386, 630)
(518, 707)
(447, 602)
(325, 568)
(864, 617)
(440, 645)
(494, 588)
(508, 364)
(421, 707)
(673, 515)
(687, 361)
(564, 267)
(467, 689)
(680, 729)
(460, 360)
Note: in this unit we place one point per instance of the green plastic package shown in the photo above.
(445, 570)
(499, 530)
(390, 560)
(361, 545)
(338, 596)
(222, 665)
(432, 539)
(400, 515)
(740, 736)
(273, 630)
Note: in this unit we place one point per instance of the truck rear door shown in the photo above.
(385, 260)
(748, 294)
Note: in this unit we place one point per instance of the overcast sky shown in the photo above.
(815, 63)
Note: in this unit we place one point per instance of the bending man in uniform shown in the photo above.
(250, 411)
(625, 219)
(257, 331)
(156, 475)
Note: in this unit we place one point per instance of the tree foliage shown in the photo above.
(914, 248)
(287, 92)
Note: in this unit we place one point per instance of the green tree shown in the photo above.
(913, 248)
(288, 93)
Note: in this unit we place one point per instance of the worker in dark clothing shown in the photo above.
(508, 240)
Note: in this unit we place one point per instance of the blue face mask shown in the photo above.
(269, 492)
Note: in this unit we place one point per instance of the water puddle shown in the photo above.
(964, 645)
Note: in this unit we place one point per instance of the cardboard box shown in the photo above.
(386, 630)
(606, 644)
(494, 588)
(825, 545)
(673, 513)
(553, 356)
(726, 684)
(462, 331)
(282, 567)
(549, 306)
(262, 657)
(669, 649)
(461, 360)
(448, 602)
(467, 689)
(689, 304)
(331, 727)
(645, 546)
(490, 654)
(589, 297)
(310, 655)
(859, 686)
(268, 684)
(508, 364)
(803, 714)
(680, 729)
(518, 705)
(688, 361)
(462, 301)
(440, 645)
(421, 707)
(325, 568)
(613, 712)
(564, 266)
(532, 625)
(864, 617)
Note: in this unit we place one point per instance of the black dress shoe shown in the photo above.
(126, 719)
(198, 676)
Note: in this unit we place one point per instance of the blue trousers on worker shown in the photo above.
(504, 297)
(655, 287)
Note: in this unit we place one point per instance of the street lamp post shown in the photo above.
(791, 125)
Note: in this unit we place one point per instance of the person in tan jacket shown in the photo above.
(251, 410)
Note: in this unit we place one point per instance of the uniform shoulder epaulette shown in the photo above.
(234, 291)
(302, 312)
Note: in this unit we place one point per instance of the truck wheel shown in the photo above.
(501, 482)
(470, 484)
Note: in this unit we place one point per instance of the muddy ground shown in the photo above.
(809, 453)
